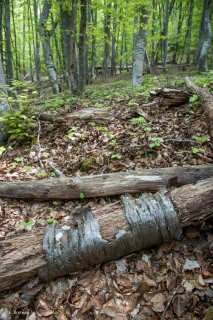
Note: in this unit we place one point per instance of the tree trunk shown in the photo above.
(189, 31)
(9, 64)
(74, 48)
(37, 43)
(66, 36)
(113, 57)
(48, 56)
(107, 233)
(105, 184)
(207, 100)
(204, 37)
(82, 46)
(139, 50)
(106, 53)
(4, 106)
(165, 34)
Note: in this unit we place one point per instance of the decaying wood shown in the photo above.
(95, 115)
(105, 184)
(168, 97)
(207, 100)
(104, 234)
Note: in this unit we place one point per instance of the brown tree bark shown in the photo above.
(105, 184)
(104, 234)
(207, 100)
(168, 97)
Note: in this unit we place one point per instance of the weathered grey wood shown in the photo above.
(89, 114)
(207, 100)
(107, 233)
(105, 184)
(168, 97)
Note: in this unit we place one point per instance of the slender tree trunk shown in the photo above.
(37, 42)
(204, 37)
(48, 55)
(9, 64)
(107, 36)
(30, 36)
(4, 106)
(114, 31)
(74, 49)
(94, 16)
(189, 32)
(1, 26)
(140, 48)
(165, 34)
(24, 42)
(66, 36)
(82, 46)
(178, 31)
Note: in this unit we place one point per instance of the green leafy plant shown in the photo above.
(116, 156)
(155, 142)
(51, 221)
(113, 142)
(197, 150)
(82, 195)
(201, 139)
(2, 150)
(193, 98)
(26, 224)
(19, 123)
(103, 129)
(142, 122)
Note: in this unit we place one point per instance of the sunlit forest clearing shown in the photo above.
(106, 159)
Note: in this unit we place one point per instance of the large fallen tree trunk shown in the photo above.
(105, 184)
(207, 100)
(94, 115)
(107, 233)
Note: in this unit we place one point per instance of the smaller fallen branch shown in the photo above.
(206, 98)
(94, 115)
(168, 97)
(105, 184)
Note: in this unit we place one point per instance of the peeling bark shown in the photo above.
(105, 184)
(97, 236)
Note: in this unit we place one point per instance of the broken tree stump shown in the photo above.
(104, 234)
(206, 99)
(105, 184)
(90, 114)
(168, 97)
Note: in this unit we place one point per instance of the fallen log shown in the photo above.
(96, 236)
(105, 184)
(94, 115)
(206, 99)
(168, 97)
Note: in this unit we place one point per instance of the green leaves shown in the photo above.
(201, 139)
(116, 156)
(2, 150)
(26, 224)
(155, 142)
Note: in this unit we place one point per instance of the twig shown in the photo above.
(39, 146)
(169, 303)
(58, 173)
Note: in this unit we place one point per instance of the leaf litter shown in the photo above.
(174, 281)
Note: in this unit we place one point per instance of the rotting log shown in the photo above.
(206, 99)
(104, 234)
(92, 114)
(105, 184)
(168, 97)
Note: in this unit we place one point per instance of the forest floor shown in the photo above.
(174, 281)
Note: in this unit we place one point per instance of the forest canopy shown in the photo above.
(72, 41)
